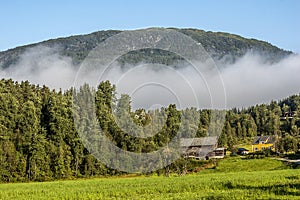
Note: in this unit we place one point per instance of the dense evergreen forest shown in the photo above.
(39, 141)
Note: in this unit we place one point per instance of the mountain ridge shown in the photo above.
(221, 46)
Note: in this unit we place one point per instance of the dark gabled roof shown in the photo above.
(266, 139)
(203, 141)
(242, 149)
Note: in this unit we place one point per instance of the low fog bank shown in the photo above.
(247, 82)
(250, 81)
(44, 66)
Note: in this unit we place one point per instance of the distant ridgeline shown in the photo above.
(222, 47)
(39, 141)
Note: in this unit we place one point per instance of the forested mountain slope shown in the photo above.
(221, 46)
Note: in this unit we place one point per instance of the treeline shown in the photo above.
(39, 139)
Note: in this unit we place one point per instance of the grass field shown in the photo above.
(233, 178)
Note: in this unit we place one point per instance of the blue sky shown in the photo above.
(25, 22)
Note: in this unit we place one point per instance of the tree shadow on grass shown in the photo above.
(277, 189)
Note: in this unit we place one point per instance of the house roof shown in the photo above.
(242, 149)
(266, 139)
(203, 141)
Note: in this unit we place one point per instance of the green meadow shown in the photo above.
(232, 178)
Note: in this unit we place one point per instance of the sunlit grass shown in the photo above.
(234, 183)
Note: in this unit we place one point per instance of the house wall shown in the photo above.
(259, 147)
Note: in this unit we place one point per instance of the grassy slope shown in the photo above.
(234, 178)
(237, 164)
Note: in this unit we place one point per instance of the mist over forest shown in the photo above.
(249, 80)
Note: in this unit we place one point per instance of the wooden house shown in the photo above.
(216, 153)
(263, 142)
(288, 115)
(202, 148)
